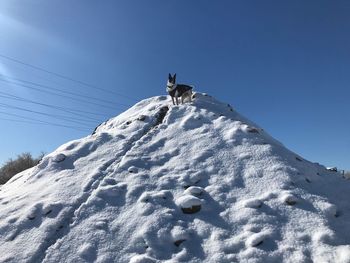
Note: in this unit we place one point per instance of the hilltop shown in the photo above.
(160, 183)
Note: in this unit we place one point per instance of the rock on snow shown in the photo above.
(122, 194)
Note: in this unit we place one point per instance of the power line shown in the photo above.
(24, 121)
(70, 119)
(59, 117)
(64, 77)
(68, 109)
(43, 122)
(71, 111)
(89, 112)
(60, 90)
(56, 94)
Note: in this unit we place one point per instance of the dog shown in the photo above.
(178, 90)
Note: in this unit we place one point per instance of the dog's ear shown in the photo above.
(174, 77)
(169, 77)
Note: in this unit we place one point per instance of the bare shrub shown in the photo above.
(15, 166)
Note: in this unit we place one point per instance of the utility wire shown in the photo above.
(56, 94)
(70, 119)
(68, 109)
(60, 90)
(64, 77)
(71, 111)
(44, 122)
(89, 112)
(23, 121)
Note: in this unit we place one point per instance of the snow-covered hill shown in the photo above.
(162, 183)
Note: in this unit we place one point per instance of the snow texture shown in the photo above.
(194, 190)
(117, 195)
(188, 201)
(252, 203)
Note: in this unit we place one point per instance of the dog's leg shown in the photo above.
(182, 99)
(187, 96)
(172, 98)
(177, 100)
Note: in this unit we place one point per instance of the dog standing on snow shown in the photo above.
(178, 90)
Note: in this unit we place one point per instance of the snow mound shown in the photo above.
(194, 190)
(256, 239)
(190, 183)
(252, 203)
(189, 204)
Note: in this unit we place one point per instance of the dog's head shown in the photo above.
(171, 80)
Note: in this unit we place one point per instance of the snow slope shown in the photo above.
(162, 183)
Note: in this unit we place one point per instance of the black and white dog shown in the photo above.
(178, 90)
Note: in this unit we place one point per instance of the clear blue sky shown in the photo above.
(283, 64)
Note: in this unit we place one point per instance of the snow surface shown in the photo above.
(188, 201)
(112, 196)
(194, 190)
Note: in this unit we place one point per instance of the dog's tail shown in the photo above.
(192, 93)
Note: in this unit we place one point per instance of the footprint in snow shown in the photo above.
(179, 235)
(189, 180)
(34, 211)
(132, 169)
(51, 209)
(12, 220)
(101, 224)
(326, 236)
(40, 209)
(152, 200)
(289, 199)
(256, 239)
(155, 197)
(108, 191)
(328, 209)
(142, 118)
(307, 180)
(33, 217)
